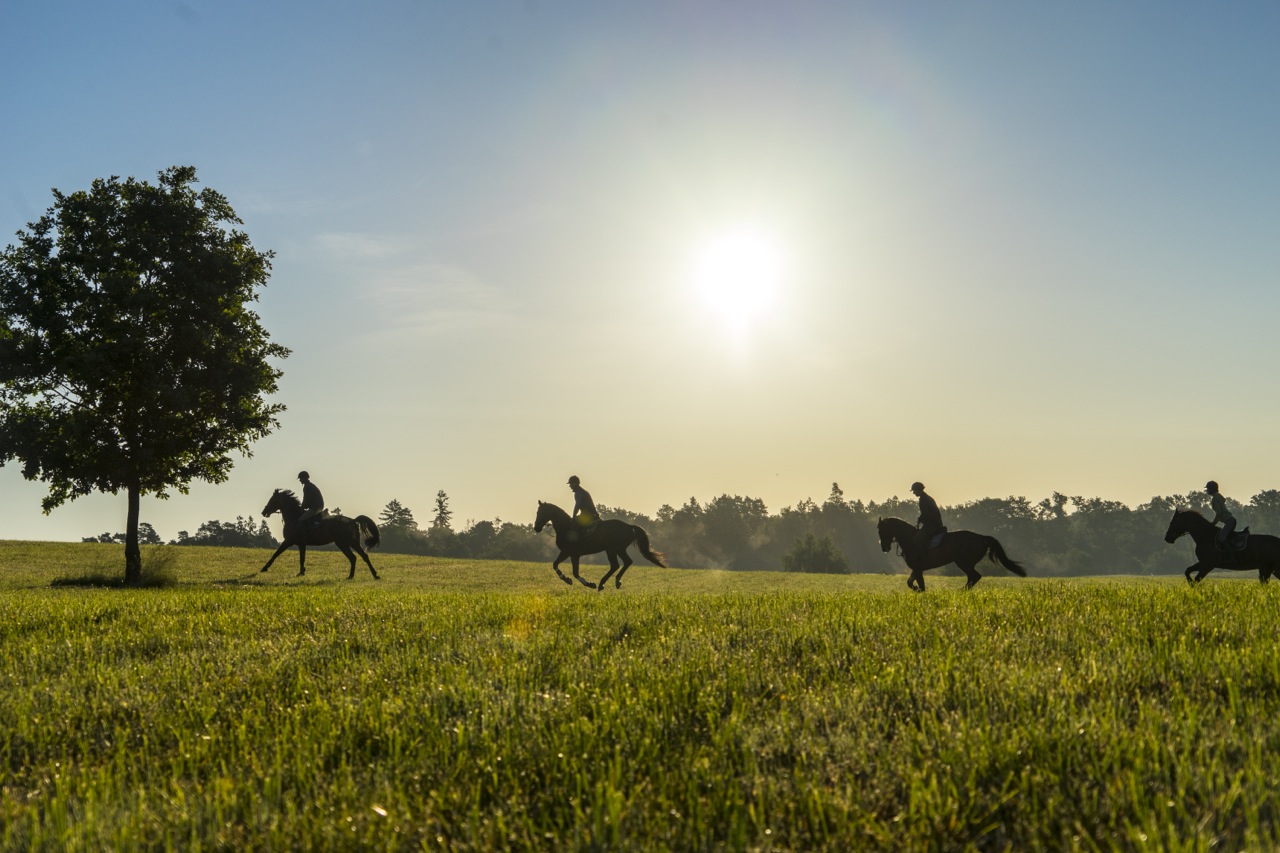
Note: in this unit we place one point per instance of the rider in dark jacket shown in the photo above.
(1220, 513)
(584, 509)
(312, 500)
(930, 522)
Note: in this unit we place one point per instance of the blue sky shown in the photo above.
(1019, 247)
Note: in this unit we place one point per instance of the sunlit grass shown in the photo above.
(487, 705)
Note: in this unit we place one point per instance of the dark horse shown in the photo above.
(963, 547)
(338, 529)
(1262, 552)
(611, 536)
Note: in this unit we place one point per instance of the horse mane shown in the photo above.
(288, 495)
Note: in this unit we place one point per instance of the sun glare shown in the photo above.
(737, 276)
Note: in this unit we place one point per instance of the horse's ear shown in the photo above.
(539, 503)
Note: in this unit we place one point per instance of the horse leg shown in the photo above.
(580, 578)
(915, 580)
(1204, 569)
(351, 558)
(302, 558)
(556, 566)
(970, 572)
(279, 551)
(362, 553)
(613, 567)
(626, 564)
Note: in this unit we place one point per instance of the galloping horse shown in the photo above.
(611, 536)
(1262, 552)
(964, 548)
(338, 529)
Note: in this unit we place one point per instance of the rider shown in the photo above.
(584, 509)
(312, 500)
(930, 522)
(1220, 513)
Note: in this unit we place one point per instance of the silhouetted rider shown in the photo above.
(312, 500)
(1220, 513)
(930, 522)
(584, 509)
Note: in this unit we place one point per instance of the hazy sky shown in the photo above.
(693, 248)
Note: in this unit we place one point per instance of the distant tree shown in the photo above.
(398, 516)
(813, 554)
(479, 539)
(129, 360)
(242, 533)
(146, 536)
(443, 513)
(731, 525)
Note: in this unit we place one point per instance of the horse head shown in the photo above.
(886, 535)
(1178, 525)
(281, 499)
(549, 514)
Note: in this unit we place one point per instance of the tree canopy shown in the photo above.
(129, 357)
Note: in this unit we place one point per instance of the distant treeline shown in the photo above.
(1059, 536)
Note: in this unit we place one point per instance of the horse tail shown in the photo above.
(642, 542)
(995, 552)
(369, 530)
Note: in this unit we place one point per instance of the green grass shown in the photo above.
(465, 705)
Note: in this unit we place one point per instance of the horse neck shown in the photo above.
(901, 530)
(559, 518)
(1198, 526)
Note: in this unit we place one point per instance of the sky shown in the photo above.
(685, 249)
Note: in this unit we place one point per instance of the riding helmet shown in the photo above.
(1211, 486)
(573, 481)
(917, 485)
(303, 475)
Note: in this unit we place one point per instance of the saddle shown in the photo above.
(935, 540)
(316, 520)
(1238, 541)
(580, 532)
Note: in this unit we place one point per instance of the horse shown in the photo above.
(338, 529)
(612, 536)
(1261, 553)
(962, 547)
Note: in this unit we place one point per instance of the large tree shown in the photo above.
(129, 358)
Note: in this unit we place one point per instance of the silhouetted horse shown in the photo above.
(338, 529)
(962, 547)
(1261, 553)
(611, 536)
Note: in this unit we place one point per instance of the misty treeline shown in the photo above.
(1058, 536)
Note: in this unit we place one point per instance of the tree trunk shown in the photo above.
(132, 554)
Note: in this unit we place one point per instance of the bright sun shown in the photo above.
(738, 274)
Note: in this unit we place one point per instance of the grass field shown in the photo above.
(473, 705)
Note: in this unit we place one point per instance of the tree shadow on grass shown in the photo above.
(157, 571)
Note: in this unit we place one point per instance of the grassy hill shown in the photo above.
(472, 705)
